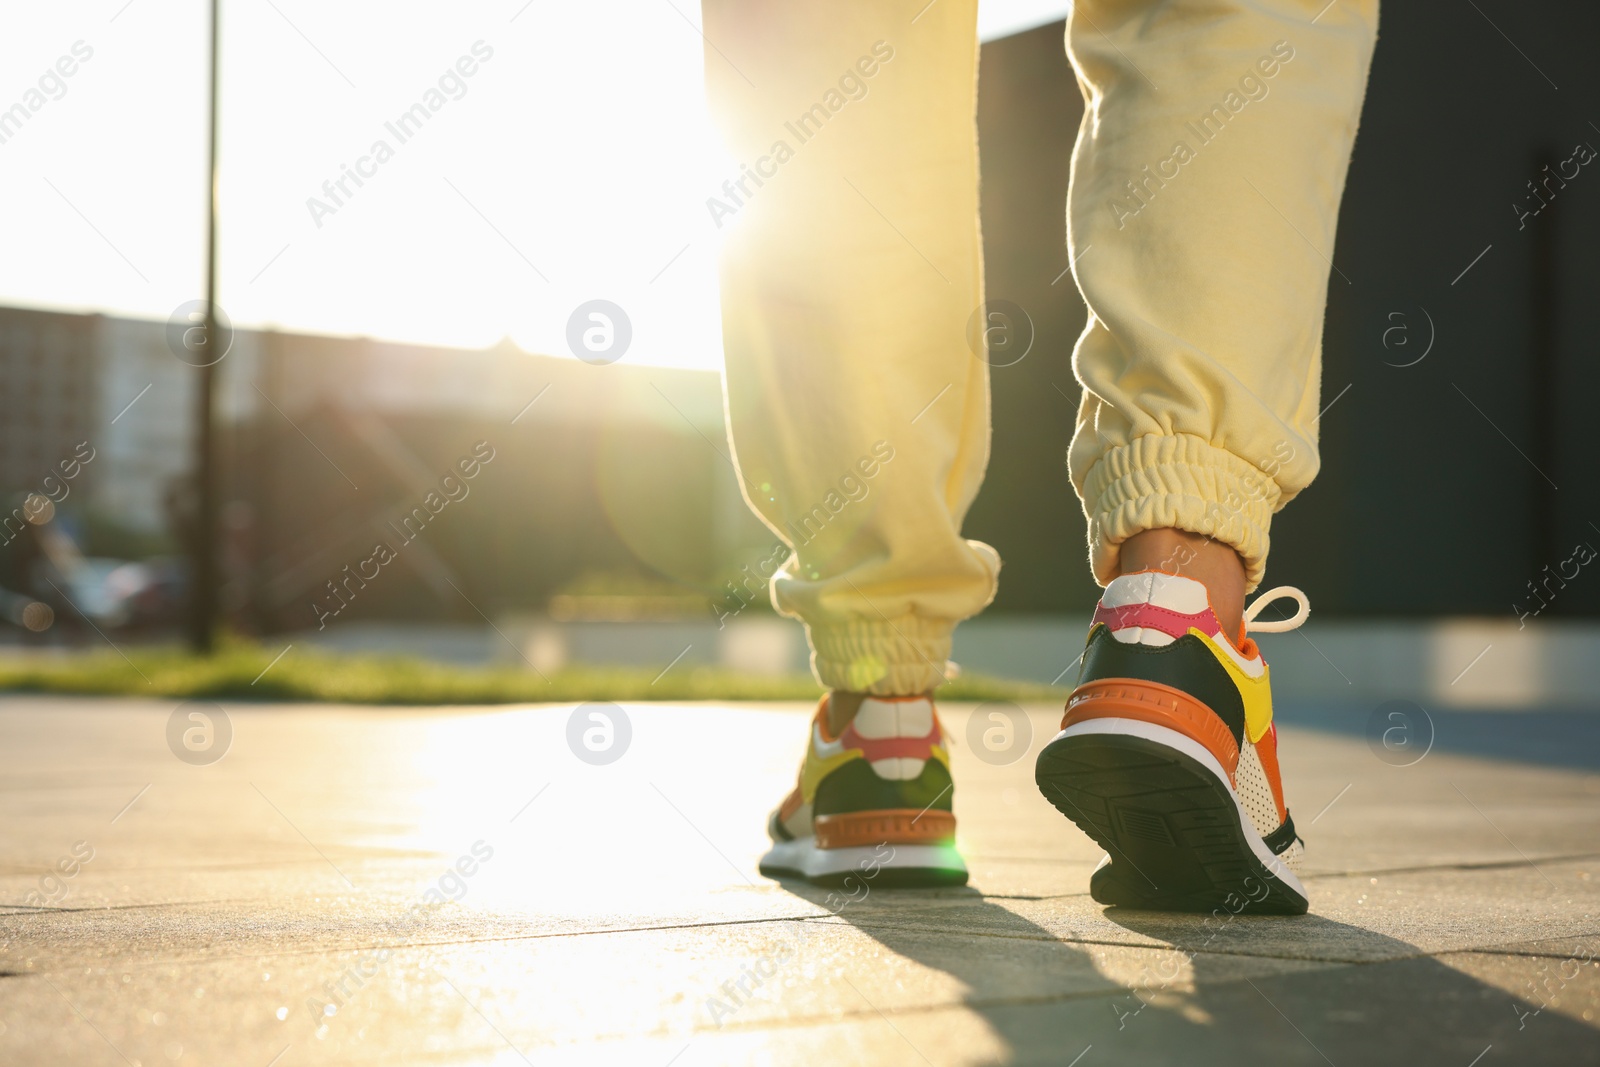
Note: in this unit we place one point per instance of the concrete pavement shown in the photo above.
(444, 886)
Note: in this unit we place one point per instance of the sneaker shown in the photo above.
(1168, 756)
(873, 803)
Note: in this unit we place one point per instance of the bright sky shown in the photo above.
(572, 164)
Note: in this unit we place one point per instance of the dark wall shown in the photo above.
(554, 502)
(1028, 111)
(1447, 485)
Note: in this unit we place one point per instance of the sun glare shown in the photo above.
(440, 174)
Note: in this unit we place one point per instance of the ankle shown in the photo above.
(1211, 563)
(842, 707)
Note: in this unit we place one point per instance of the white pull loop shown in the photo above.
(1277, 626)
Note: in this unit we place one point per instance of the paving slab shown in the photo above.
(455, 886)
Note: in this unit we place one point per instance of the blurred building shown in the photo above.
(49, 381)
(109, 382)
(615, 476)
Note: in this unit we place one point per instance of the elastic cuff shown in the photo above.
(1179, 482)
(885, 657)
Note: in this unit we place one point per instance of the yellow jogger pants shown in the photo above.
(1204, 193)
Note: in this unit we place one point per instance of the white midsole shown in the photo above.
(803, 855)
(1162, 735)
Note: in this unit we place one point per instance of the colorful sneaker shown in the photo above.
(1168, 756)
(874, 803)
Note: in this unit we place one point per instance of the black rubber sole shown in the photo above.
(1170, 826)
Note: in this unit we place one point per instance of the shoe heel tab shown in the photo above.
(1171, 591)
(895, 717)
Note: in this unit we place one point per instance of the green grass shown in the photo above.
(316, 676)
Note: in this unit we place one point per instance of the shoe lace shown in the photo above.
(1277, 626)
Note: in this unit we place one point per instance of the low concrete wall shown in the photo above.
(1441, 662)
(1446, 662)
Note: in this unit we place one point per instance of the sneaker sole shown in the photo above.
(1160, 804)
(885, 865)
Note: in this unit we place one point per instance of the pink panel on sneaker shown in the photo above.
(879, 748)
(1172, 623)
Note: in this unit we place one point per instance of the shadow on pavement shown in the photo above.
(1256, 990)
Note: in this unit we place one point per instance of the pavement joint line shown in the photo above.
(1510, 950)
(147, 963)
(31, 909)
(978, 1004)
(27, 910)
(69, 966)
(966, 1005)
(1485, 865)
(830, 919)
(1203, 950)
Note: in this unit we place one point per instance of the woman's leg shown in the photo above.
(1205, 189)
(858, 412)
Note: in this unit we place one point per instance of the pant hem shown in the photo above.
(1178, 482)
(885, 657)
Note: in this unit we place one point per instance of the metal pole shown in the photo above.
(203, 606)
